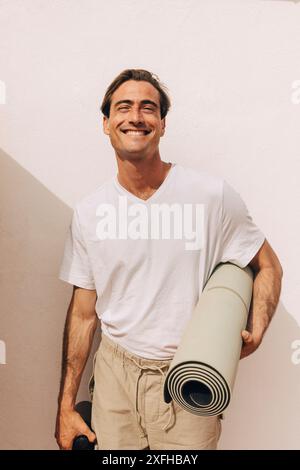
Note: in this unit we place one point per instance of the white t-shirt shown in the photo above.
(149, 260)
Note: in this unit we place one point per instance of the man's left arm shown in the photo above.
(267, 272)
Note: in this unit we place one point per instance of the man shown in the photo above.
(139, 251)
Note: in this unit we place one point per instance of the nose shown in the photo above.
(136, 117)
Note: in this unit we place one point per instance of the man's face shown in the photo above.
(135, 125)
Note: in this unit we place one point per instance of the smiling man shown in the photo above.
(140, 277)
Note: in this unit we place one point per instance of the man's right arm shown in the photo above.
(80, 326)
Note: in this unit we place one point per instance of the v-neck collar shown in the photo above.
(156, 193)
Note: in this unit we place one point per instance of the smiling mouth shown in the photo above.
(136, 132)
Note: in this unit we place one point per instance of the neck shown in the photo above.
(141, 177)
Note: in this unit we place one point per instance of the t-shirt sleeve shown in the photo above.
(241, 238)
(75, 267)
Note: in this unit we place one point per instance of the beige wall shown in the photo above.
(233, 72)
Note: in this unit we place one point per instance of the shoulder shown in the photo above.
(204, 182)
(86, 207)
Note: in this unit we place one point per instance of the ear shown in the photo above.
(106, 125)
(163, 125)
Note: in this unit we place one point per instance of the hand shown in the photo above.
(69, 424)
(252, 336)
(250, 343)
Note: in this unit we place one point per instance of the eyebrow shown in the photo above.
(131, 102)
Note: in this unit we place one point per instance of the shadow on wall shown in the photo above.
(265, 408)
(264, 413)
(34, 303)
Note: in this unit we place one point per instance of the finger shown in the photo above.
(247, 337)
(91, 436)
(246, 351)
(250, 345)
(65, 446)
(244, 354)
(88, 433)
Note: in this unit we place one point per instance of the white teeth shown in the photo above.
(135, 132)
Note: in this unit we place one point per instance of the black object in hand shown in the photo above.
(82, 443)
(84, 408)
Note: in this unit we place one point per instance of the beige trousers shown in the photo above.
(128, 408)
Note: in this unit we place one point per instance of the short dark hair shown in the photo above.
(138, 75)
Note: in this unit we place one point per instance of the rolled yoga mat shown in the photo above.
(202, 373)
